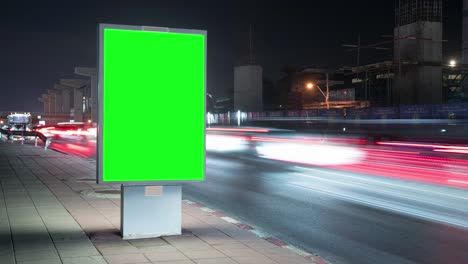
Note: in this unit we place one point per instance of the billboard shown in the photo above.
(145, 75)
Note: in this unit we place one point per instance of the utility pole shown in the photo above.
(359, 47)
(251, 61)
(358, 50)
(398, 22)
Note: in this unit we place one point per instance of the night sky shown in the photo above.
(42, 41)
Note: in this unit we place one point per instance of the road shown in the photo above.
(342, 197)
(344, 217)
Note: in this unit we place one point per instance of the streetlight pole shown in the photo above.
(328, 93)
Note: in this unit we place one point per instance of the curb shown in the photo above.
(311, 257)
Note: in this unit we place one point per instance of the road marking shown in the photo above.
(392, 193)
(312, 257)
(258, 233)
(230, 220)
(276, 241)
(298, 251)
(409, 166)
(206, 209)
(457, 181)
(388, 206)
(381, 182)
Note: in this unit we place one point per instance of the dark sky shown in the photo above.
(42, 41)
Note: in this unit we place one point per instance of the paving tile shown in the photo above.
(66, 226)
(23, 211)
(19, 205)
(218, 241)
(254, 260)
(174, 262)
(187, 242)
(68, 216)
(24, 256)
(25, 225)
(6, 246)
(34, 245)
(215, 261)
(151, 242)
(156, 249)
(165, 256)
(42, 235)
(275, 251)
(84, 260)
(126, 259)
(203, 254)
(245, 252)
(119, 250)
(48, 261)
(231, 246)
(52, 210)
(7, 258)
(293, 259)
(4, 220)
(259, 244)
(105, 244)
(103, 203)
(62, 236)
(192, 246)
(76, 248)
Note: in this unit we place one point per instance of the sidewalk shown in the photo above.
(52, 211)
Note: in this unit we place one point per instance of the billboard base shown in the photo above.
(150, 211)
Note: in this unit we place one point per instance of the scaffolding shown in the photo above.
(412, 11)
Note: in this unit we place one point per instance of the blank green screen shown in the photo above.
(153, 106)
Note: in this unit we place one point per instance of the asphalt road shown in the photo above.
(342, 216)
(431, 130)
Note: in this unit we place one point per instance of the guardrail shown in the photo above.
(10, 136)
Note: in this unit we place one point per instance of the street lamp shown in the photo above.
(310, 85)
(453, 63)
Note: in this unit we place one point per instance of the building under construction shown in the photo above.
(418, 74)
(418, 52)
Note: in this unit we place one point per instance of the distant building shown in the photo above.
(418, 73)
(248, 88)
(66, 101)
(223, 105)
(418, 52)
(72, 99)
(372, 82)
(293, 87)
(283, 88)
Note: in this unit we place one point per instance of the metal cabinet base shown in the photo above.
(151, 211)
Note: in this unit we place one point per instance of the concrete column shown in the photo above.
(92, 74)
(56, 95)
(45, 99)
(76, 88)
(78, 104)
(50, 103)
(93, 98)
(66, 100)
(58, 103)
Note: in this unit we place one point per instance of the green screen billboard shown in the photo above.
(151, 105)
